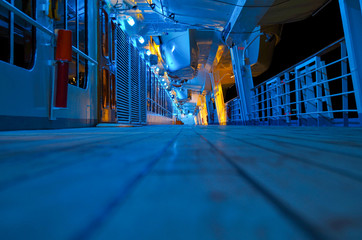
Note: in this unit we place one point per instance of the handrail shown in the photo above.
(304, 93)
(84, 55)
(25, 17)
(153, 101)
(39, 26)
(231, 100)
(325, 50)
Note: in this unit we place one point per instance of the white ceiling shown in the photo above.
(210, 17)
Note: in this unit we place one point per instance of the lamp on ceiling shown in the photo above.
(141, 40)
(131, 21)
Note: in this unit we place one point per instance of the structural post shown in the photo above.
(210, 108)
(344, 85)
(215, 94)
(243, 82)
(351, 13)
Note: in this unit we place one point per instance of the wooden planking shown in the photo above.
(339, 154)
(50, 158)
(208, 183)
(66, 200)
(326, 200)
(197, 206)
(192, 193)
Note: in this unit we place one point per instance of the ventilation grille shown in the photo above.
(135, 88)
(143, 91)
(122, 76)
(131, 82)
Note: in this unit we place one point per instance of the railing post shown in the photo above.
(344, 85)
(257, 115)
(263, 103)
(255, 105)
(319, 91)
(311, 103)
(298, 98)
(268, 99)
(287, 97)
(279, 101)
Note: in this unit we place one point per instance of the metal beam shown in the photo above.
(243, 20)
(352, 19)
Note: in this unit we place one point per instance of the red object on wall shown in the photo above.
(62, 85)
(64, 46)
(63, 56)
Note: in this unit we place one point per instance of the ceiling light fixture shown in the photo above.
(141, 40)
(131, 21)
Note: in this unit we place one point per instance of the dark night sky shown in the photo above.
(302, 39)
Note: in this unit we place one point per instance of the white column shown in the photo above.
(351, 12)
(243, 81)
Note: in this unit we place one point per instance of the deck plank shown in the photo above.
(325, 199)
(59, 204)
(177, 182)
(194, 194)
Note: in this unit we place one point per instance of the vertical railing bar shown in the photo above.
(262, 104)
(344, 85)
(319, 92)
(12, 44)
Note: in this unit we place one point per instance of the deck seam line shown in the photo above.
(312, 147)
(298, 144)
(25, 177)
(337, 171)
(298, 221)
(13, 154)
(99, 220)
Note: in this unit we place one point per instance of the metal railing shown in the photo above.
(233, 111)
(153, 106)
(41, 27)
(316, 92)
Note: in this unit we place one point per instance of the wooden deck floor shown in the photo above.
(181, 182)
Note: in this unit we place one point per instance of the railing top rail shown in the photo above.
(231, 100)
(325, 50)
(40, 26)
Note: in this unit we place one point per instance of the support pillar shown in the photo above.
(219, 98)
(243, 81)
(351, 13)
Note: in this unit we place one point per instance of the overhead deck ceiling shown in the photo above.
(232, 20)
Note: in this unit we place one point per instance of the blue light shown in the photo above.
(130, 21)
(148, 52)
(141, 39)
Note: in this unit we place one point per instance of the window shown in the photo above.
(73, 16)
(158, 100)
(105, 50)
(113, 44)
(105, 88)
(17, 36)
